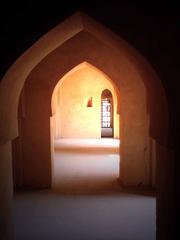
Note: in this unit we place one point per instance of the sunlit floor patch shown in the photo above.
(86, 143)
(86, 164)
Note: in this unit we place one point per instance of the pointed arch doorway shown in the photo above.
(81, 159)
(73, 116)
(143, 100)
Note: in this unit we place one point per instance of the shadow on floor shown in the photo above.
(107, 188)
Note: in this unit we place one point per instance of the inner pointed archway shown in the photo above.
(76, 103)
(79, 156)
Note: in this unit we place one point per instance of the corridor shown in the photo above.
(86, 201)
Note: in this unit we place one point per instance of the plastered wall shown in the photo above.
(73, 119)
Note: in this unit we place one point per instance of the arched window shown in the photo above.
(106, 114)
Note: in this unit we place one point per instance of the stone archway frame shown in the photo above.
(143, 101)
(116, 95)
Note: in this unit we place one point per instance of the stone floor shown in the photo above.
(86, 202)
(85, 164)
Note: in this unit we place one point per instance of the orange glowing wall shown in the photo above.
(73, 117)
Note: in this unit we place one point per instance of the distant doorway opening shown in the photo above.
(81, 159)
(106, 114)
